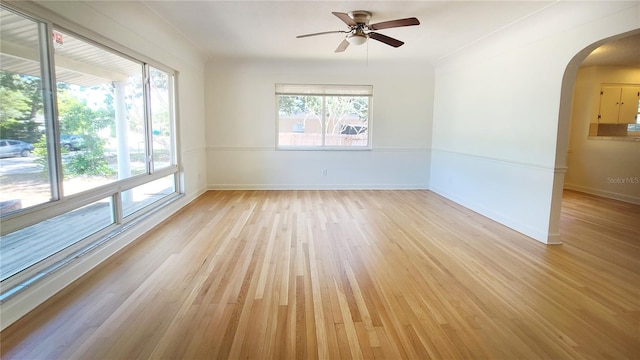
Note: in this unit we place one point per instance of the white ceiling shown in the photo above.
(268, 29)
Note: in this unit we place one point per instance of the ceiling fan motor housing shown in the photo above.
(360, 16)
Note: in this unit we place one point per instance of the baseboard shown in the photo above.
(318, 187)
(554, 239)
(522, 228)
(198, 192)
(603, 193)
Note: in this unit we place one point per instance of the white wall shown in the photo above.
(241, 127)
(497, 106)
(601, 166)
(133, 26)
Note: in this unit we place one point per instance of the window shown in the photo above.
(88, 144)
(323, 116)
(634, 129)
(102, 109)
(23, 181)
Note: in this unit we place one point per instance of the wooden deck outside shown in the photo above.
(351, 274)
(26, 247)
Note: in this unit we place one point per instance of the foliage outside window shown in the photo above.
(99, 129)
(323, 116)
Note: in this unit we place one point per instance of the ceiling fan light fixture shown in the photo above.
(357, 39)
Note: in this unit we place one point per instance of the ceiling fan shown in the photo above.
(360, 30)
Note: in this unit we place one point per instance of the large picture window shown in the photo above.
(88, 144)
(323, 116)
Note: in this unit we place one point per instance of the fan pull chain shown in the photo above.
(367, 54)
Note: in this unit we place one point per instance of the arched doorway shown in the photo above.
(565, 114)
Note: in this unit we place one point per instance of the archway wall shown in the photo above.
(498, 145)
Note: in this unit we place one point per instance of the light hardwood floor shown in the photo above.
(351, 274)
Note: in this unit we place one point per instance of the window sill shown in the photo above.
(616, 138)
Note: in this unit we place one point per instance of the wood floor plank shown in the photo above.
(351, 274)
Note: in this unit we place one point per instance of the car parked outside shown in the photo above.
(11, 148)
(72, 142)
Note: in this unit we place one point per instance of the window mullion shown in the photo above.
(47, 69)
(148, 127)
(324, 120)
(172, 124)
(117, 208)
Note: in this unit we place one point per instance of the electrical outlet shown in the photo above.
(324, 172)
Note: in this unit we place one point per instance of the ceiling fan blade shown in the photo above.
(321, 33)
(345, 17)
(385, 39)
(394, 23)
(343, 46)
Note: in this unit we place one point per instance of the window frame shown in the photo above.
(634, 129)
(324, 91)
(47, 23)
